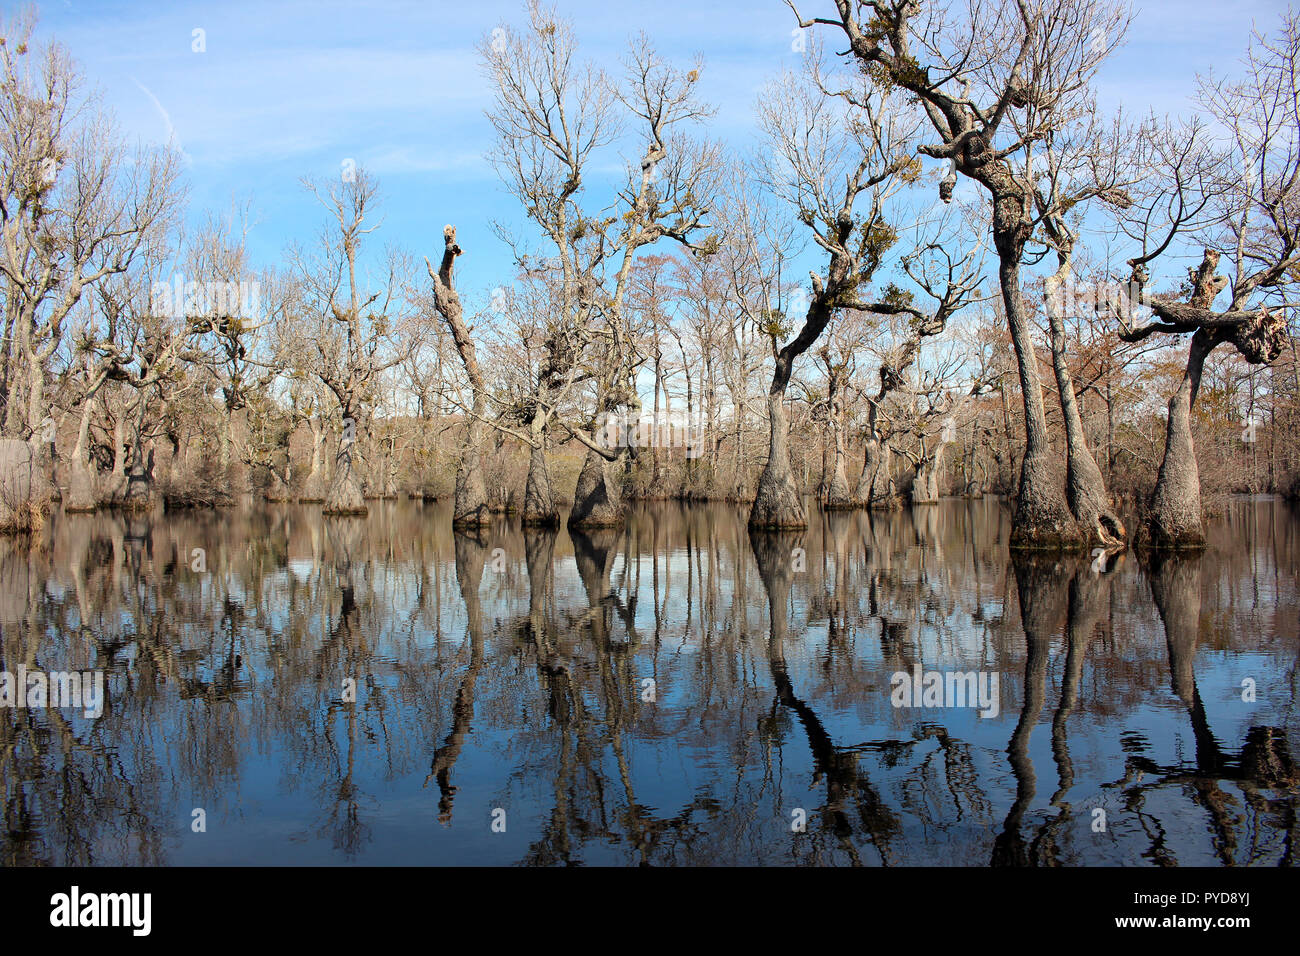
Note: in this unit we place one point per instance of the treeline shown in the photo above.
(860, 312)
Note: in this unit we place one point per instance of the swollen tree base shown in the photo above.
(596, 502)
(345, 500)
(1085, 491)
(81, 496)
(1154, 535)
(1042, 520)
(776, 505)
(1173, 521)
(838, 497)
(470, 508)
(539, 501)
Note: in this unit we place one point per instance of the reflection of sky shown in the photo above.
(713, 756)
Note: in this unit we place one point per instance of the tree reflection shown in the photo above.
(664, 693)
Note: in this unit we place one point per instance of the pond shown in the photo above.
(882, 689)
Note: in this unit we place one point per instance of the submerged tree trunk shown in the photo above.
(470, 505)
(81, 494)
(870, 462)
(117, 478)
(1042, 520)
(139, 478)
(226, 440)
(925, 483)
(776, 502)
(278, 490)
(596, 499)
(539, 502)
(138, 495)
(837, 491)
(314, 487)
(876, 483)
(1174, 520)
(345, 496)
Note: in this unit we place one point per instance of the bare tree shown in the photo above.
(470, 508)
(836, 140)
(1077, 163)
(1242, 201)
(551, 116)
(826, 153)
(971, 66)
(345, 334)
(76, 207)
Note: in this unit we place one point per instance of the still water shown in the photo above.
(282, 688)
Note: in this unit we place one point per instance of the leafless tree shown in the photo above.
(471, 505)
(971, 66)
(1239, 198)
(345, 331)
(552, 116)
(840, 152)
(77, 206)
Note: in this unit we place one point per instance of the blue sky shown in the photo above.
(288, 89)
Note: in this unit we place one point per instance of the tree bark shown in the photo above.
(925, 484)
(314, 487)
(539, 502)
(876, 483)
(81, 495)
(345, 496)
(1042, 520)
(1173, 520)
(596, 499)
(776, 502)
(138, 495)
(1085, 488)
(837, 491)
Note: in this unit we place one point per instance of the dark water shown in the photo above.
(507, 673)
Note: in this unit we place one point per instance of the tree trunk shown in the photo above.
(1173, 520)
(539, 502)
(876, 483)
(925, 484)
(117, 478)
(345, 496)
(1042, 520)
(656, 452)
(470, 508)
(139, 479)
(870, 462)
(81, 474)
(837, 491)
(1085, 488)
(227, 441)
(776, 502)
(279, 487)
(314, 488)
(596, 500)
